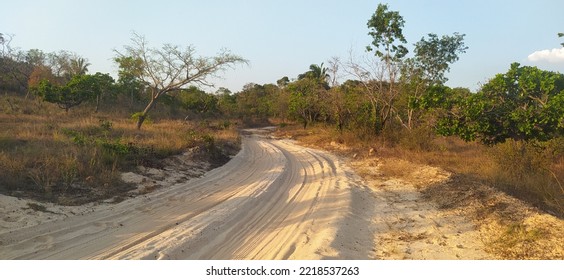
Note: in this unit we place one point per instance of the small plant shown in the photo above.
(209, 142)
(226, 124)
(136, 116)
(106, 125)
(76, 137)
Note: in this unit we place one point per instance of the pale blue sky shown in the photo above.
(283, 37)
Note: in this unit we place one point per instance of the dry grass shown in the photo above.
(531, 172)
(511, 228)
(75, 158)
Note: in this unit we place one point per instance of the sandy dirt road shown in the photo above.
(274, 200)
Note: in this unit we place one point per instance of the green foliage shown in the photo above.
(76, 137)
(386, 29)
(306, 100)
(526, 103)
(78, 90)
(135, 117)
(227, 104)
(129, 83)
(196, 100)
(257, 101)
(434, 55)
(317, 73)
(106, 125)
(350, 109)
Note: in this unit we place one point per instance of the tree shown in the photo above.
(129, 83)
(432, 60)
(307, 100)
(172, 68)
(525, 103)
(40, 73)
(257, 101)
(66, 64)
(14, 69)
(369, 75)
(78, 90)
(105, 85)
(197, 100)
(78, 66)
(434, 55)
(226, 102)
(283, 82)
(317, 73)
(386, 29)
(561, 35)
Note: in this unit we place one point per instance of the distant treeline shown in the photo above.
(386, 91)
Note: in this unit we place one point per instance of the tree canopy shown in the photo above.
(525, 103)
(386, 29)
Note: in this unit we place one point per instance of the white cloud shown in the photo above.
(551, 56)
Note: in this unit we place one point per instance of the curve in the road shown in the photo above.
(274, 200)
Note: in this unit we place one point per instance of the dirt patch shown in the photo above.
(509, 228)
(409, 226)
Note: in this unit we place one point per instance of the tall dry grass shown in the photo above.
(77, 157)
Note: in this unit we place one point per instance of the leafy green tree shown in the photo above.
(227, 102)
(425, 73)
(256, 101)
(105, 88)
(307, 100)
(525, 103)
(78, 90)
(435, 55)
(317, 73)
(349, 108)
(386, 29)
(198, 101)
(129, 83)
(561, 35)
(283, 82)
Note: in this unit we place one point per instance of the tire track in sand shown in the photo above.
(274, 200)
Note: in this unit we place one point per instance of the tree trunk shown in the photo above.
(97, 103)
(143, 116)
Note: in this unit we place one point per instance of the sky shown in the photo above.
(283, 37)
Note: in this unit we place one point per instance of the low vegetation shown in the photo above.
(77, 157)
(527, 171)
(510, 226)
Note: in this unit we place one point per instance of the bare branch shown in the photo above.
(171, 67)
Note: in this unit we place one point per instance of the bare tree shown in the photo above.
(334, 65)
(371, 72)
(172, 68)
